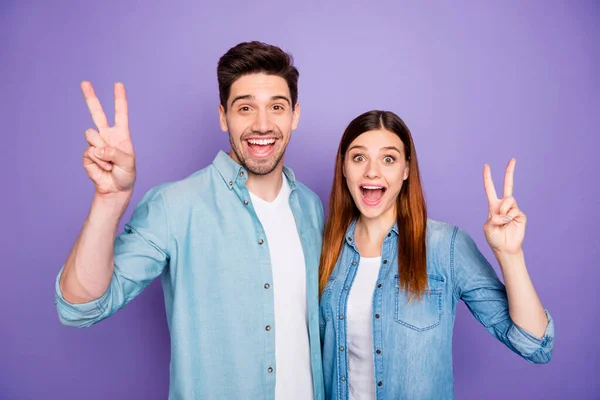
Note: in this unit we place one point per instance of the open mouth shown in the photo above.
(261, 148)
(372, 194)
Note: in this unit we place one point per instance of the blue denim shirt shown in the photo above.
(413, 341)
(203, 238)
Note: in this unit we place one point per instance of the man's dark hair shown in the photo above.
(252, 58)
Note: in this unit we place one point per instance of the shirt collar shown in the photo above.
(231, 171)
(352, 228)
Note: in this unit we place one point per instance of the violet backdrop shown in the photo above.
(476, 82)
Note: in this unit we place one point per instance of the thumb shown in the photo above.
(117, 157)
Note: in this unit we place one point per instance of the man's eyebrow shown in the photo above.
(280, 97)
(242, 97)
(250, 97)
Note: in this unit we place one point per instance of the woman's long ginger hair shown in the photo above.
(411, 212)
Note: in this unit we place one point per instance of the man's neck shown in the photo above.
(268, 186)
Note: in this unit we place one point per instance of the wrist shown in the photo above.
(510, 259)
(109, 207)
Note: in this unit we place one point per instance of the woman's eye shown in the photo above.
(358, 158)
(389, 160)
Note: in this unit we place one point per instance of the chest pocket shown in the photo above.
(424, 313)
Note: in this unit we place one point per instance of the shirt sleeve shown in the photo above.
(321, 216)
(478, 286)
(140, 255)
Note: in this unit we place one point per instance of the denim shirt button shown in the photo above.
(341, 317)
(260, 241)
(379, 383)
(341, 348)
(245, 202)
(343, 378)
(346, 288)
(353, 262)
(378, 351)
(379, 286)
(267, 286)
(385, 261)
(267, 328)
(270, 369)
(376, 315)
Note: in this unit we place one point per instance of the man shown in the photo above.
(236, 244)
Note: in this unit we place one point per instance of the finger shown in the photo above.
(94, 139)
(516, 214)
(507, 204)
(117, 157)
(500, 220)
(508, 177)
(91, 168)
(121, 108)
(94, 106)
(90, 159)
(488, 184)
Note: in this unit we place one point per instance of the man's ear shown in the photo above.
(296, 116)
(223, 118)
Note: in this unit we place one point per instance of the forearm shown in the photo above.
(89, 267)
(525, 307)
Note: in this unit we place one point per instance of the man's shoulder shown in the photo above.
(199, 183)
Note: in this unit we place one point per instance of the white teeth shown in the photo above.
(261, 142)
(372, 187)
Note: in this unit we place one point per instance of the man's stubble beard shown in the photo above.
(263, 168)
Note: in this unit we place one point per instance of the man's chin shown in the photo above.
(262, 166)
(260, 169)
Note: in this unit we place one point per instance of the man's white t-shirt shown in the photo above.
(292, 350)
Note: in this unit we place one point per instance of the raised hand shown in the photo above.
(505, 227)
(109, 160)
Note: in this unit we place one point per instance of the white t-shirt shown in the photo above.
(292, 349)
(361, 364)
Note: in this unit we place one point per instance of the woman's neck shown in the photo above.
(370, 233)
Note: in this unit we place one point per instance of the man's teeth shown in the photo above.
(261, 142)
(372, 187)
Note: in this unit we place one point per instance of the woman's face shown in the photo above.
(375, 168)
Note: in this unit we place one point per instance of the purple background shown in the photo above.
(475, 82)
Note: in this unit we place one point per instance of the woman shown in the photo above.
(390, 278)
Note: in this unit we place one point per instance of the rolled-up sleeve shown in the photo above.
(477, 285)
(140, 255)
(536, 350)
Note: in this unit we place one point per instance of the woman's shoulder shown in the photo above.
(439, 230)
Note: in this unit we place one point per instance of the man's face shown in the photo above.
(260, 121)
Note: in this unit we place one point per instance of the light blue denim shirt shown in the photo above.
(412, 342)
(203, 238)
